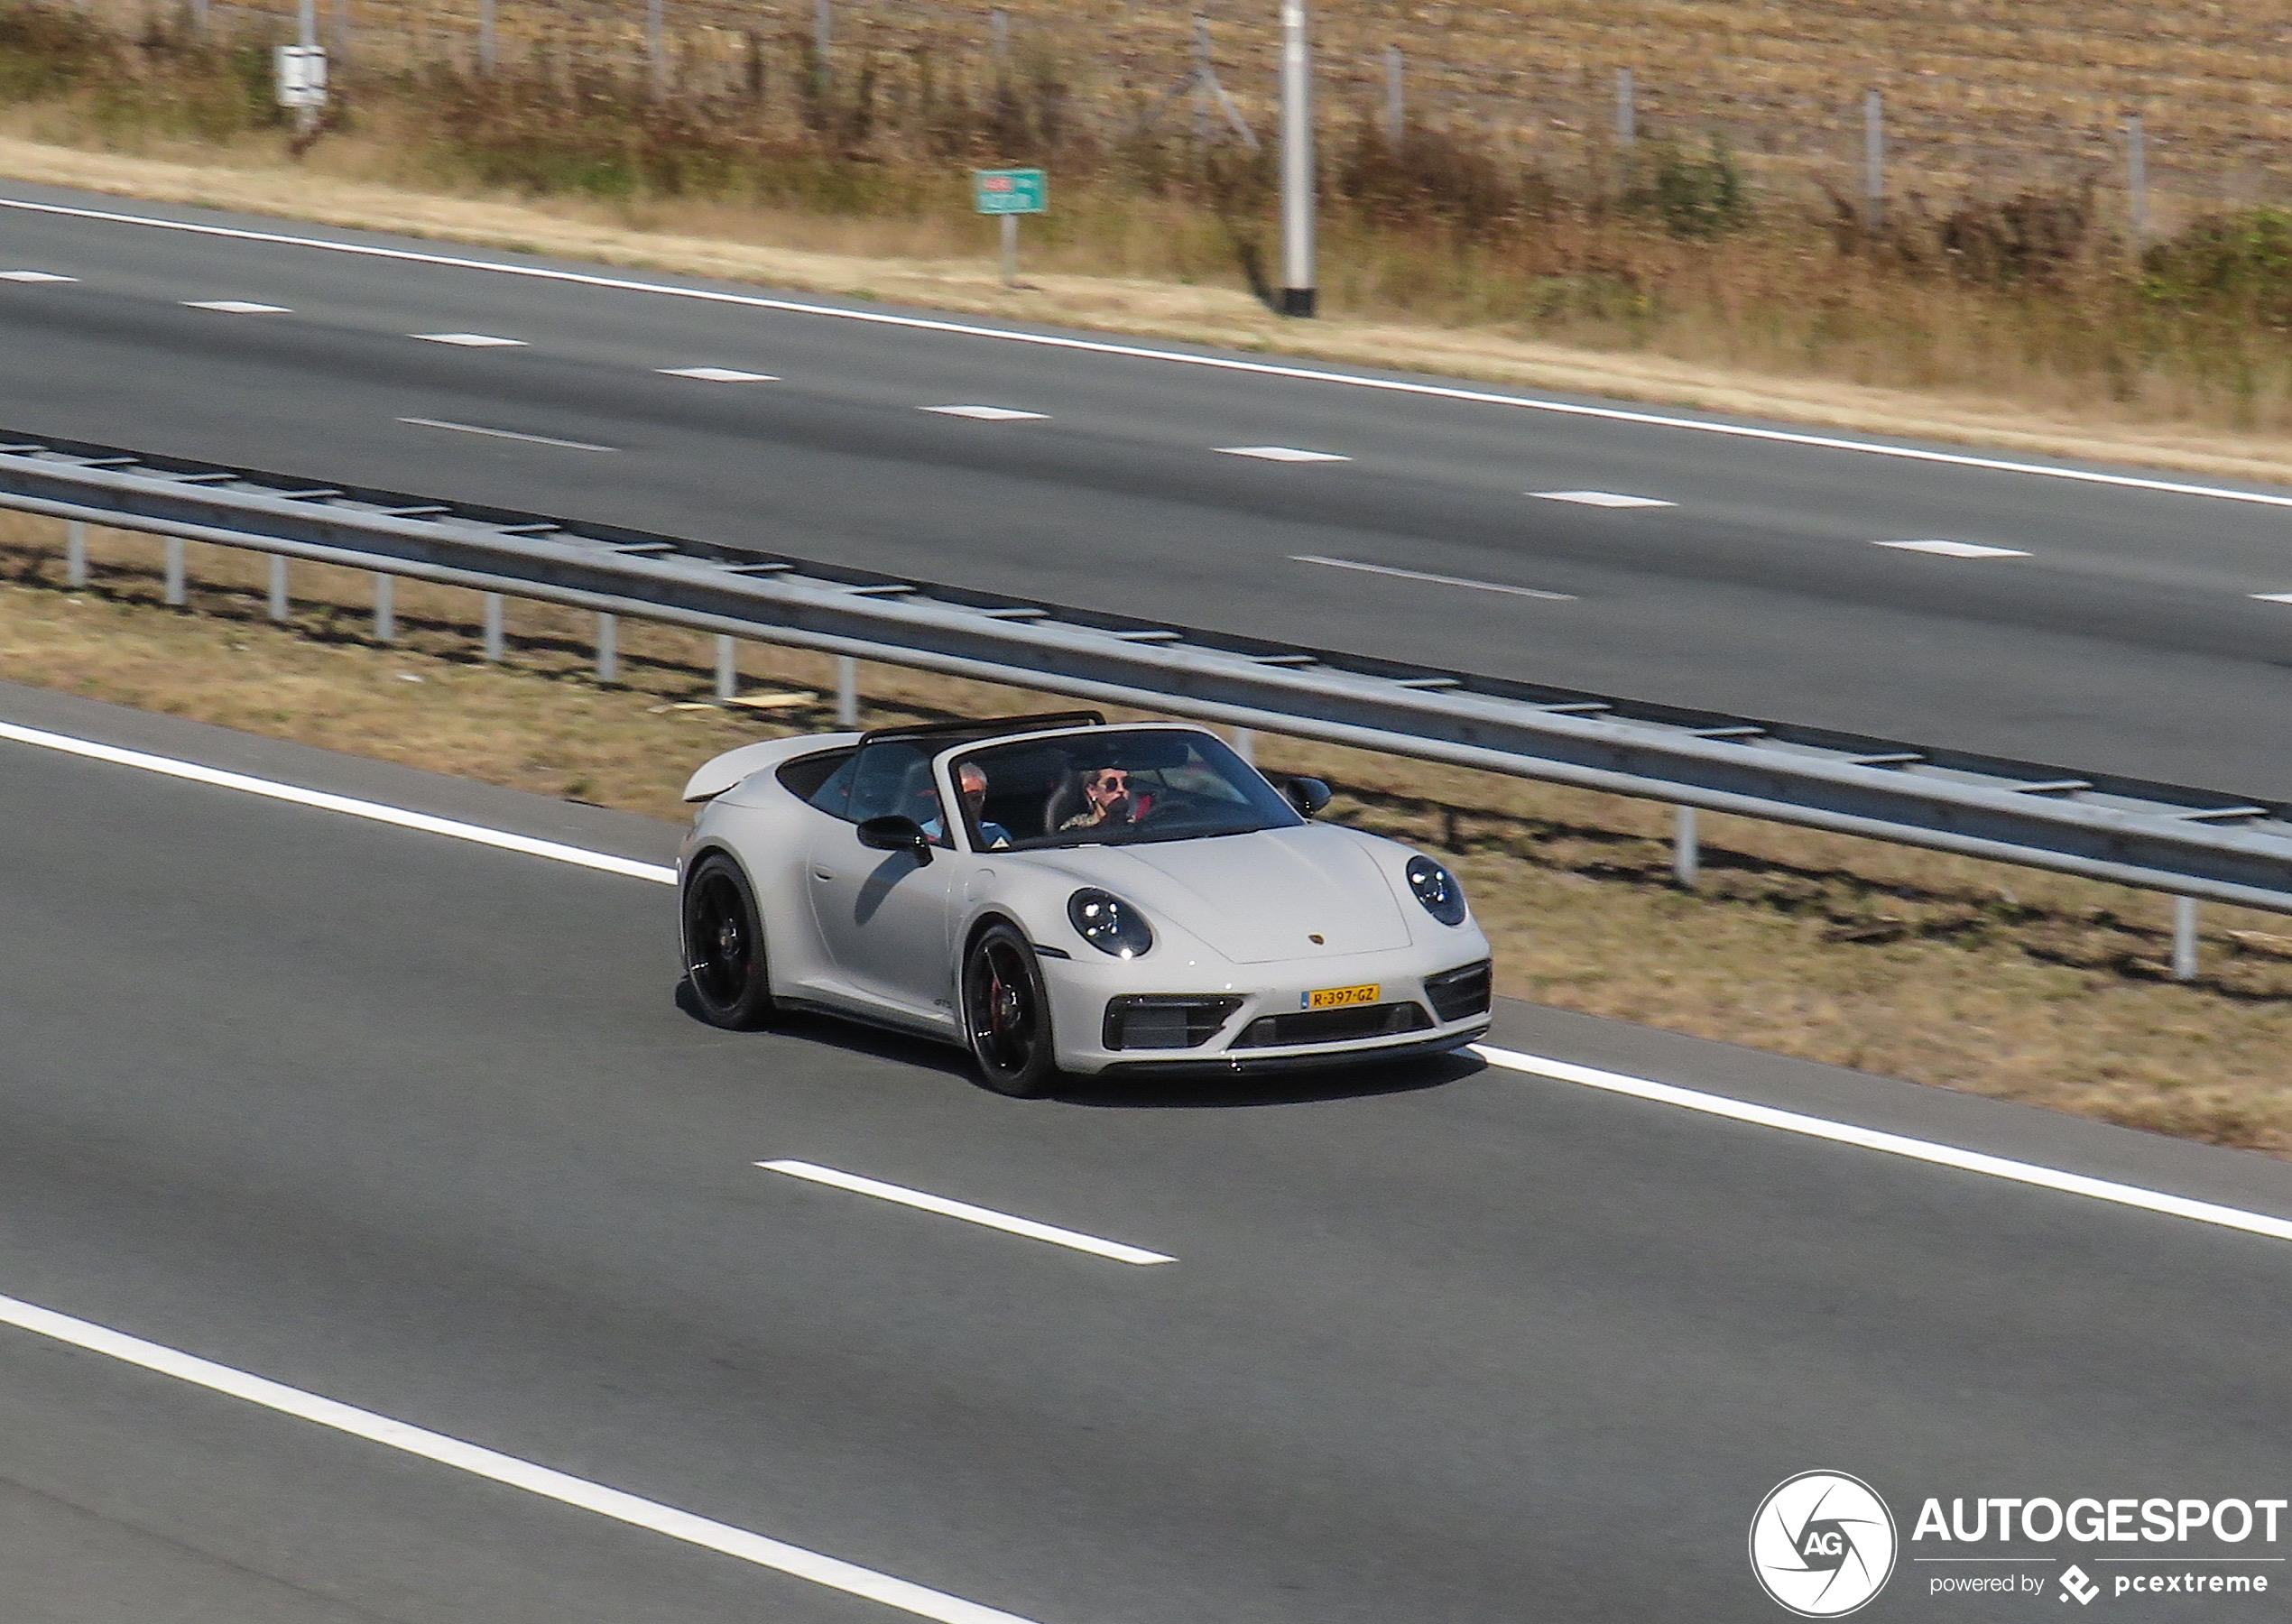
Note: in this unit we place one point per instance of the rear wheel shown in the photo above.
(1006, 1015)
(724, 947)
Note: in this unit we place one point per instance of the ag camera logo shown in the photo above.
(1822, 1544)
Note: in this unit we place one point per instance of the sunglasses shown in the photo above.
(1110, 779)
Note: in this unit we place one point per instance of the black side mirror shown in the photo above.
(896, 833)
(1309, 796)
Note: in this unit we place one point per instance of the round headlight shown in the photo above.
(1437, 889)
(1109, 924)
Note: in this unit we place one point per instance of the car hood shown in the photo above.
(1260, 897)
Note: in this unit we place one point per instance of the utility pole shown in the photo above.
(1296, 162)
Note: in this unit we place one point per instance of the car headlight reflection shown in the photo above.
(1437, 889)
(1109, 924)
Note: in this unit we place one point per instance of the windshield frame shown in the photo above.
(1268, 808)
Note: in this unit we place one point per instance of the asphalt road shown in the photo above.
(418, 1125)
(2127, 637)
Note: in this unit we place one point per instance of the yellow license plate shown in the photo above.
(1338, 998)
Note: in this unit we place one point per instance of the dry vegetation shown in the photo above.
(1970, 975)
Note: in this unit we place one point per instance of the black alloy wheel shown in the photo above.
(724, 947)
(1006, 1015)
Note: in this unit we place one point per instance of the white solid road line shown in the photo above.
(374, 811)
(1139, 352)
(718, 374)
(34, 276)
(1955, 549)
(469, 340)
(508, 1470)
(1893, 1144)
(1560, 1071)
(507, 434)
(2274, 597)
(983, 1216)
(1285, 454)
(987, 414)
(1606, 499)
(236, 307)
(1437, 580)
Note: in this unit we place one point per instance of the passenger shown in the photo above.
(1107, 801)
(971, 780)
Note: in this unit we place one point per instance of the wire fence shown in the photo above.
(1966, 103)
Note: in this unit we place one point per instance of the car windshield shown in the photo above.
(1112, 785)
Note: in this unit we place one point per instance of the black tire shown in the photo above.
(724, 947)
(1006, 1015)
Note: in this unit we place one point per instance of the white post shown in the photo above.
(199, 16)
(492, 627)
(608, 649)
(823, 35)
(1010, 250)
(847, 692)
(1396, 110)
(2183, 939)
(385, 609)
(485, 36)
(656, 44)
(306, 119)
(1627, 112)
(176, 594)
(1298, 288)
(728, 668)
(1246, 745)
(279, 608)
(1002, 39)
(1873, 159)
(1687, 848)
(75, 553)
(2136, 179)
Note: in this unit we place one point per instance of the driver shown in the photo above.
(971, 782)
(1107, 801)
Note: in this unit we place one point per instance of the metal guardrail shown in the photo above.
(2192, 843)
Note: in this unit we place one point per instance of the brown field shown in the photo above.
(1969, 975)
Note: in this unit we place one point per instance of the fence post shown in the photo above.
(656, 43)
(728, 668)
(1687, 848)
(1001, 23)
(486, 36)
(492, 627)
(1297, 286)
(176, 594)
(608, 649)
(1627, 112)
(2183, 939)
(385, 609)
(75, 553)
(1873, 159)
(1245, 744)
(2137, 180)
(847, 692)
(279, 606)
(199, 16)
(823, 36)
(1396, 111)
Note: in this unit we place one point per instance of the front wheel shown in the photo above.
(724, 947)
(1006, 1015)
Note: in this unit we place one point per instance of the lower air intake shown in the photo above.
(1165, 1021)
(1333, 1025)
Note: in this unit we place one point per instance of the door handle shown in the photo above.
(821, 873)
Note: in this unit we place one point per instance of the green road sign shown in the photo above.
(1010, 191)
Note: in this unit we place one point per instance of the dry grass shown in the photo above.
(1969, 975)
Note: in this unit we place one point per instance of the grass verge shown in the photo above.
(1970, 975)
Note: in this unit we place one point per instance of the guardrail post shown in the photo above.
(385, 609)
(1246, 745)
(2183, 939)
(728, 668)
(847, 692)
(176, 594)
(608, 649)
(492, 627)
(279, 606)
(75, 553)
(1687, 848)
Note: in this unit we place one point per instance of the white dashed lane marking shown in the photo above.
(470, 340)
(1289, 454)
(1606, 499)
(987, 414)
(236, 307)
(718, 374)
(1437, 580)
(507, 434)
(34, 276)
(983, 1216)
(2274, 597)
(1955, 549)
